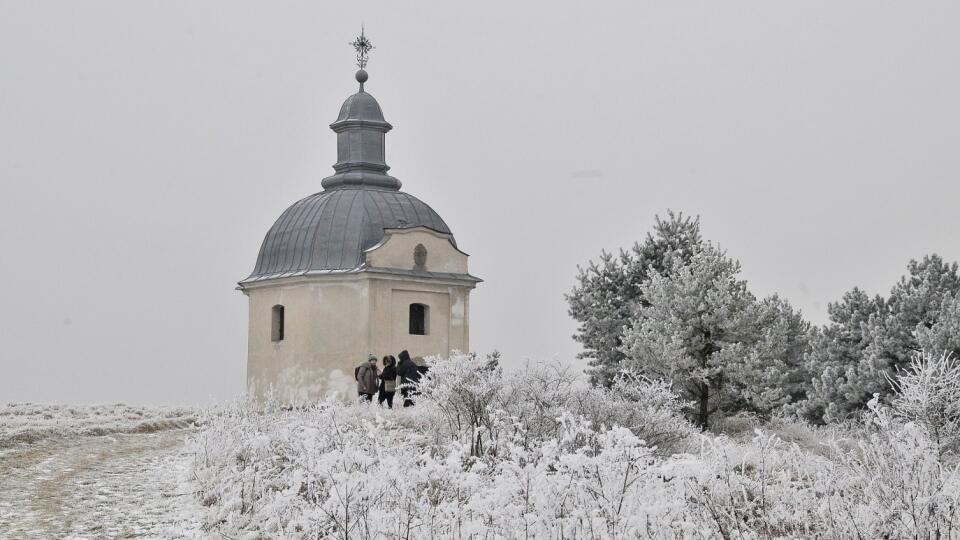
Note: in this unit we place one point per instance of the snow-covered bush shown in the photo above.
(890, 477)
(650, 409)
(493, 454)
(475, 403)
(481, 454)
(339, 471)
(928, 396)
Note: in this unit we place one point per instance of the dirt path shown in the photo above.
(117, 486)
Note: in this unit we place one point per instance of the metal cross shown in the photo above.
(363, 46)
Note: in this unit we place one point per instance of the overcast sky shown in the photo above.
(146, 148)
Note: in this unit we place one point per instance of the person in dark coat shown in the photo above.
(388, 381)
(422, 367)
(409, 374)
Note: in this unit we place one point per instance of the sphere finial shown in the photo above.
(362, 77)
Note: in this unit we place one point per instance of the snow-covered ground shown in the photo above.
(487, 455)
(95, 472)
(32, 422)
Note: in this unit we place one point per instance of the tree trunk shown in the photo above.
(704, 415)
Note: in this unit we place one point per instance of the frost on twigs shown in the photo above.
(483, 453)
(928, 396)
(493, 453)
(893, 475)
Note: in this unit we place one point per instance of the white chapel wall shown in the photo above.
(325, 337)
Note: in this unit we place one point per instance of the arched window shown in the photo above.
(276, 323)
(419, 319)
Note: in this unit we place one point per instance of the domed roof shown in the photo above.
(361, 106)
(329, 231)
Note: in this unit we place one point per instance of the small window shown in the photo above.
(419, 319)
(276, 326)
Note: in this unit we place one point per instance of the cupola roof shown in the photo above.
(329, 231)
(361, 138)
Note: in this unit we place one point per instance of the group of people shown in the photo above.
(384, 381)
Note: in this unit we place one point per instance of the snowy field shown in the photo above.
(108, 471)
(30, 422)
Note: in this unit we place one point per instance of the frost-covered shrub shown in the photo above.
(928, 395)
(475, 403)
(352, 470)
(650, 409)
(887, 478)
(463, 395)
(559, 461)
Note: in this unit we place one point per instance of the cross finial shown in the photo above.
(363, 46)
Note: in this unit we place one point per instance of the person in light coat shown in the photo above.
(366, 376)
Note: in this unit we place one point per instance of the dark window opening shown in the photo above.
(276, 327)
(418, 319)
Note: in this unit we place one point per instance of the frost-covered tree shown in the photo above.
(944, 335)
(913, 308)
(870, 340)
(772, 373)
(608, 291)
(722, 349)
(837, 387)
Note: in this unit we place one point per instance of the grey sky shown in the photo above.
(146, 148)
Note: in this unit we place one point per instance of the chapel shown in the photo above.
(359, 268)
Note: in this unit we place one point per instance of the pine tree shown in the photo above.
(836, 352)
(943, 337)
(721, 348)
(914, 307)
(869, 341)
(771, 373)
(608, 292)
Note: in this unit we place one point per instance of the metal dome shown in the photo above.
(329, 231)
(361, 106)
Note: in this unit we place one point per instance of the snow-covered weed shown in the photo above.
(891, 477)
(480, 455)
(477, 404)
(486, 454)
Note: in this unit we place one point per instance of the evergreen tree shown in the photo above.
(869, 341)
(722, 350)
(837, 387)
(771, 373)
(913, 308)
(608, 292)
(944, 335)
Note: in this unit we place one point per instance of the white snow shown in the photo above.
(31, 422)
(61, 478)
